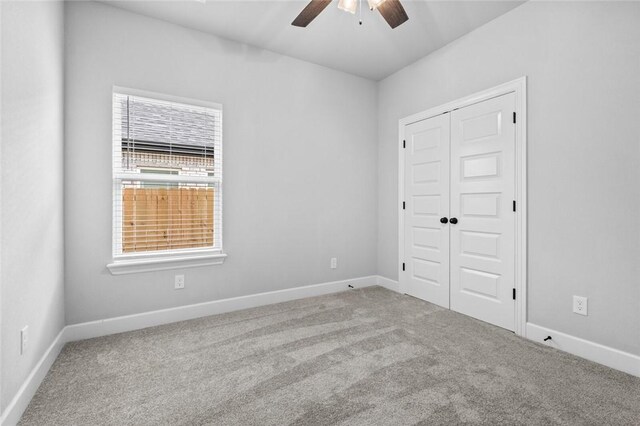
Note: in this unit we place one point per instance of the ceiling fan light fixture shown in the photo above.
(348, 5)
(373, 4)
(391, 10)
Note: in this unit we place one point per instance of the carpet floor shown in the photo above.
(362, 357)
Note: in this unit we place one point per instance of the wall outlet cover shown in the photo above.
(24, 339)
(179, 282)
(334, 262)
(580, 305)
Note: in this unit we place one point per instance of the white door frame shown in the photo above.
(519, 87)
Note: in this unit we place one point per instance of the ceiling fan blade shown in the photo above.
(393, 12)
(310, 12)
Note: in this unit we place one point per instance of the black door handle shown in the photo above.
(453, 220)
(444, 220)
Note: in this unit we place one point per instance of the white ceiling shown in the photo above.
(334, 39)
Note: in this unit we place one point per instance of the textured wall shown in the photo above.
(31, 184)
(300, 162)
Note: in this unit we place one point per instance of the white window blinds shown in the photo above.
(167, 172)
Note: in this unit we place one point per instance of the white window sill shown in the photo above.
(132, 266)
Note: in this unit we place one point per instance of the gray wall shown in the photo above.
(583, 64)
(31, 169)
(300, 166)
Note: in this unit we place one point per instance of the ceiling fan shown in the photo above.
(391, 10)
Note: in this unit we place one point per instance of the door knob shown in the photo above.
(444, 220)
(453, 220)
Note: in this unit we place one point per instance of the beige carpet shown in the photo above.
(362, 357)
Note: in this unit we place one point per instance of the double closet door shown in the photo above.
(459, 220)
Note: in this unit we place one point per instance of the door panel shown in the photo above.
(426, 240)
(482, 191)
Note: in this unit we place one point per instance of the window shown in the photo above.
(167, 182)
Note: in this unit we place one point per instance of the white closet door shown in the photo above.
(482, 193)
(426, 238)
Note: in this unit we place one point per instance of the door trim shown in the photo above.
(519, 88)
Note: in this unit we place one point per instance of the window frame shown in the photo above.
(124, 263)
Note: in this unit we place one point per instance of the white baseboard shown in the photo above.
(614, 358)
(388, 283)
(121, 324)
(20, 401)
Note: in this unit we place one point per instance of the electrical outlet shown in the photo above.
(580, 305)
(179, 283)
(334, 262)
(24, 339)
